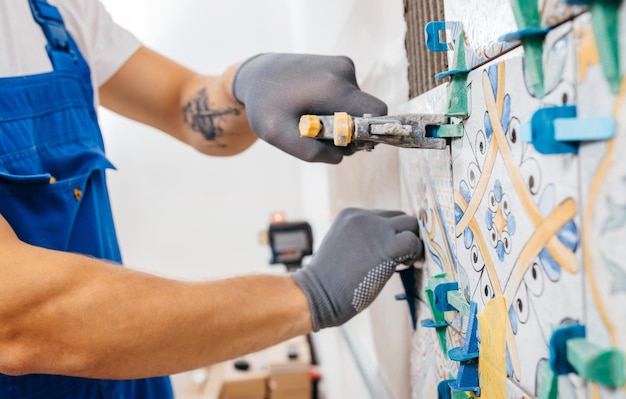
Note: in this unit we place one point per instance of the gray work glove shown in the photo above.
(277, 89)
(355, 260)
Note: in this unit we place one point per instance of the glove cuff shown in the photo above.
(319, 303)
(238, 97)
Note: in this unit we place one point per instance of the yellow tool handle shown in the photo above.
(309, 126)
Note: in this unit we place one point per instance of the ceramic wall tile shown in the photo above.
(603, 194)
(541, 234)
(514, 391)
(484, 22)
(427, 174)
(516, 209)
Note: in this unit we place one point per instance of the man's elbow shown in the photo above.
(16, 361)
(18, 358)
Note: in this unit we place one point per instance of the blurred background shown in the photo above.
(184, 215)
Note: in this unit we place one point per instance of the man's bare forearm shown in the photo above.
(72, 315)
(213, 121)
(199, 110)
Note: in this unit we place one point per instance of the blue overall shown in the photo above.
(53, 191)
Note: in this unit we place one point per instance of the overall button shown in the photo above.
(78, 194)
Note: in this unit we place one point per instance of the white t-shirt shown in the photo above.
(105, 45)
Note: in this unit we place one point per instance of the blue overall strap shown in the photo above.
(59, 50)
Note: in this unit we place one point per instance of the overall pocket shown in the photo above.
(46, 212)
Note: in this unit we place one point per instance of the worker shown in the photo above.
(73, 324)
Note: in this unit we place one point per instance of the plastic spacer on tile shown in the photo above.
(558, 347)
(469, 349)
(520, 34)
(441, 296)
(432, 33)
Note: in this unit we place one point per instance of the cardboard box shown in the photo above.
(292, 395)
(279, 372)
(248, 384)
(249, 388)
(290, 385)
(289, 376)
(289, 382)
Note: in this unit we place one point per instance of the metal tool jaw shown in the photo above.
(363, 133)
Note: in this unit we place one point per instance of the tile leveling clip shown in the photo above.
(407, 130)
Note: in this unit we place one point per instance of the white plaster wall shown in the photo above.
(178, 212)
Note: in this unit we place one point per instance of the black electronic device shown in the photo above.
(290, 242)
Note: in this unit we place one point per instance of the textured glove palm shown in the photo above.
(277, 89)
(357, 257)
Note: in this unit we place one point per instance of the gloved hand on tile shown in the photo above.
(355, 260)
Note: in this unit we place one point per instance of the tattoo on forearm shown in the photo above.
(199, 116)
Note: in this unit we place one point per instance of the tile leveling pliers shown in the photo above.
(363, 133)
